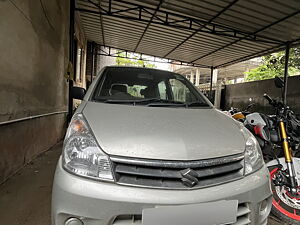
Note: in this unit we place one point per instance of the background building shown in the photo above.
(227, 75)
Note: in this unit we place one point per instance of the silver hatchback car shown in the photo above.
(145, 147)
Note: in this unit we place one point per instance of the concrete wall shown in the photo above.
(33, 60)
(237, 95)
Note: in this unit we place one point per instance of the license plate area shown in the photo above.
(211, 213)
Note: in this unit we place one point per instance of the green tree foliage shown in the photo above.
(136, 61)
(273, 65)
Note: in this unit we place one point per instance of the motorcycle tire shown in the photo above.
(282, 202)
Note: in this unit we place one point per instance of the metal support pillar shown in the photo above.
(286, 71)
(93, 61)
(71, 56)
(192, 77)
(211, 82)
(197, 79)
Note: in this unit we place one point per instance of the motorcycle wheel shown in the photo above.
(285, 206)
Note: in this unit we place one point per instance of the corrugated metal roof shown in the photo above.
(209, 33)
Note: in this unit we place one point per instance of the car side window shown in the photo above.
(162, 89)
(181, 93)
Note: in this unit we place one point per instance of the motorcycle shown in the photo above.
(240, 115)
(278, 136)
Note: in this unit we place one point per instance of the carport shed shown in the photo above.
(208, 34)
(39, 39)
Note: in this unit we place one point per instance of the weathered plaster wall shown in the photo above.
(33, 60)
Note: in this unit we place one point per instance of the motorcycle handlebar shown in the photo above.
(274, 103)
(270, 100)
(281, 109)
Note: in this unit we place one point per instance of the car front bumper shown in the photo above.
(103, 203)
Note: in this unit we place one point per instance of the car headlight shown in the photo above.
(81, 153)
(253, 156)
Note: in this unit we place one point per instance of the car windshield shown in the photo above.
(149, 87)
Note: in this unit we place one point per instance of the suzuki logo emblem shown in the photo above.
(189, 177)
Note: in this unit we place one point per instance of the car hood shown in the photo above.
(163, 133)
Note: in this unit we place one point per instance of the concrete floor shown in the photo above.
(25, 198)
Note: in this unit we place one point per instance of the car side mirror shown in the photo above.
(78, 93)
(279, 83)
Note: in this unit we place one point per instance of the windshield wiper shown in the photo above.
(162, 103)
(119, 101)
(196, 104)
(146, 101)
(179, 104)
(155, 102)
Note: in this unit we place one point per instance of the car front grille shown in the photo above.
(177, 174)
